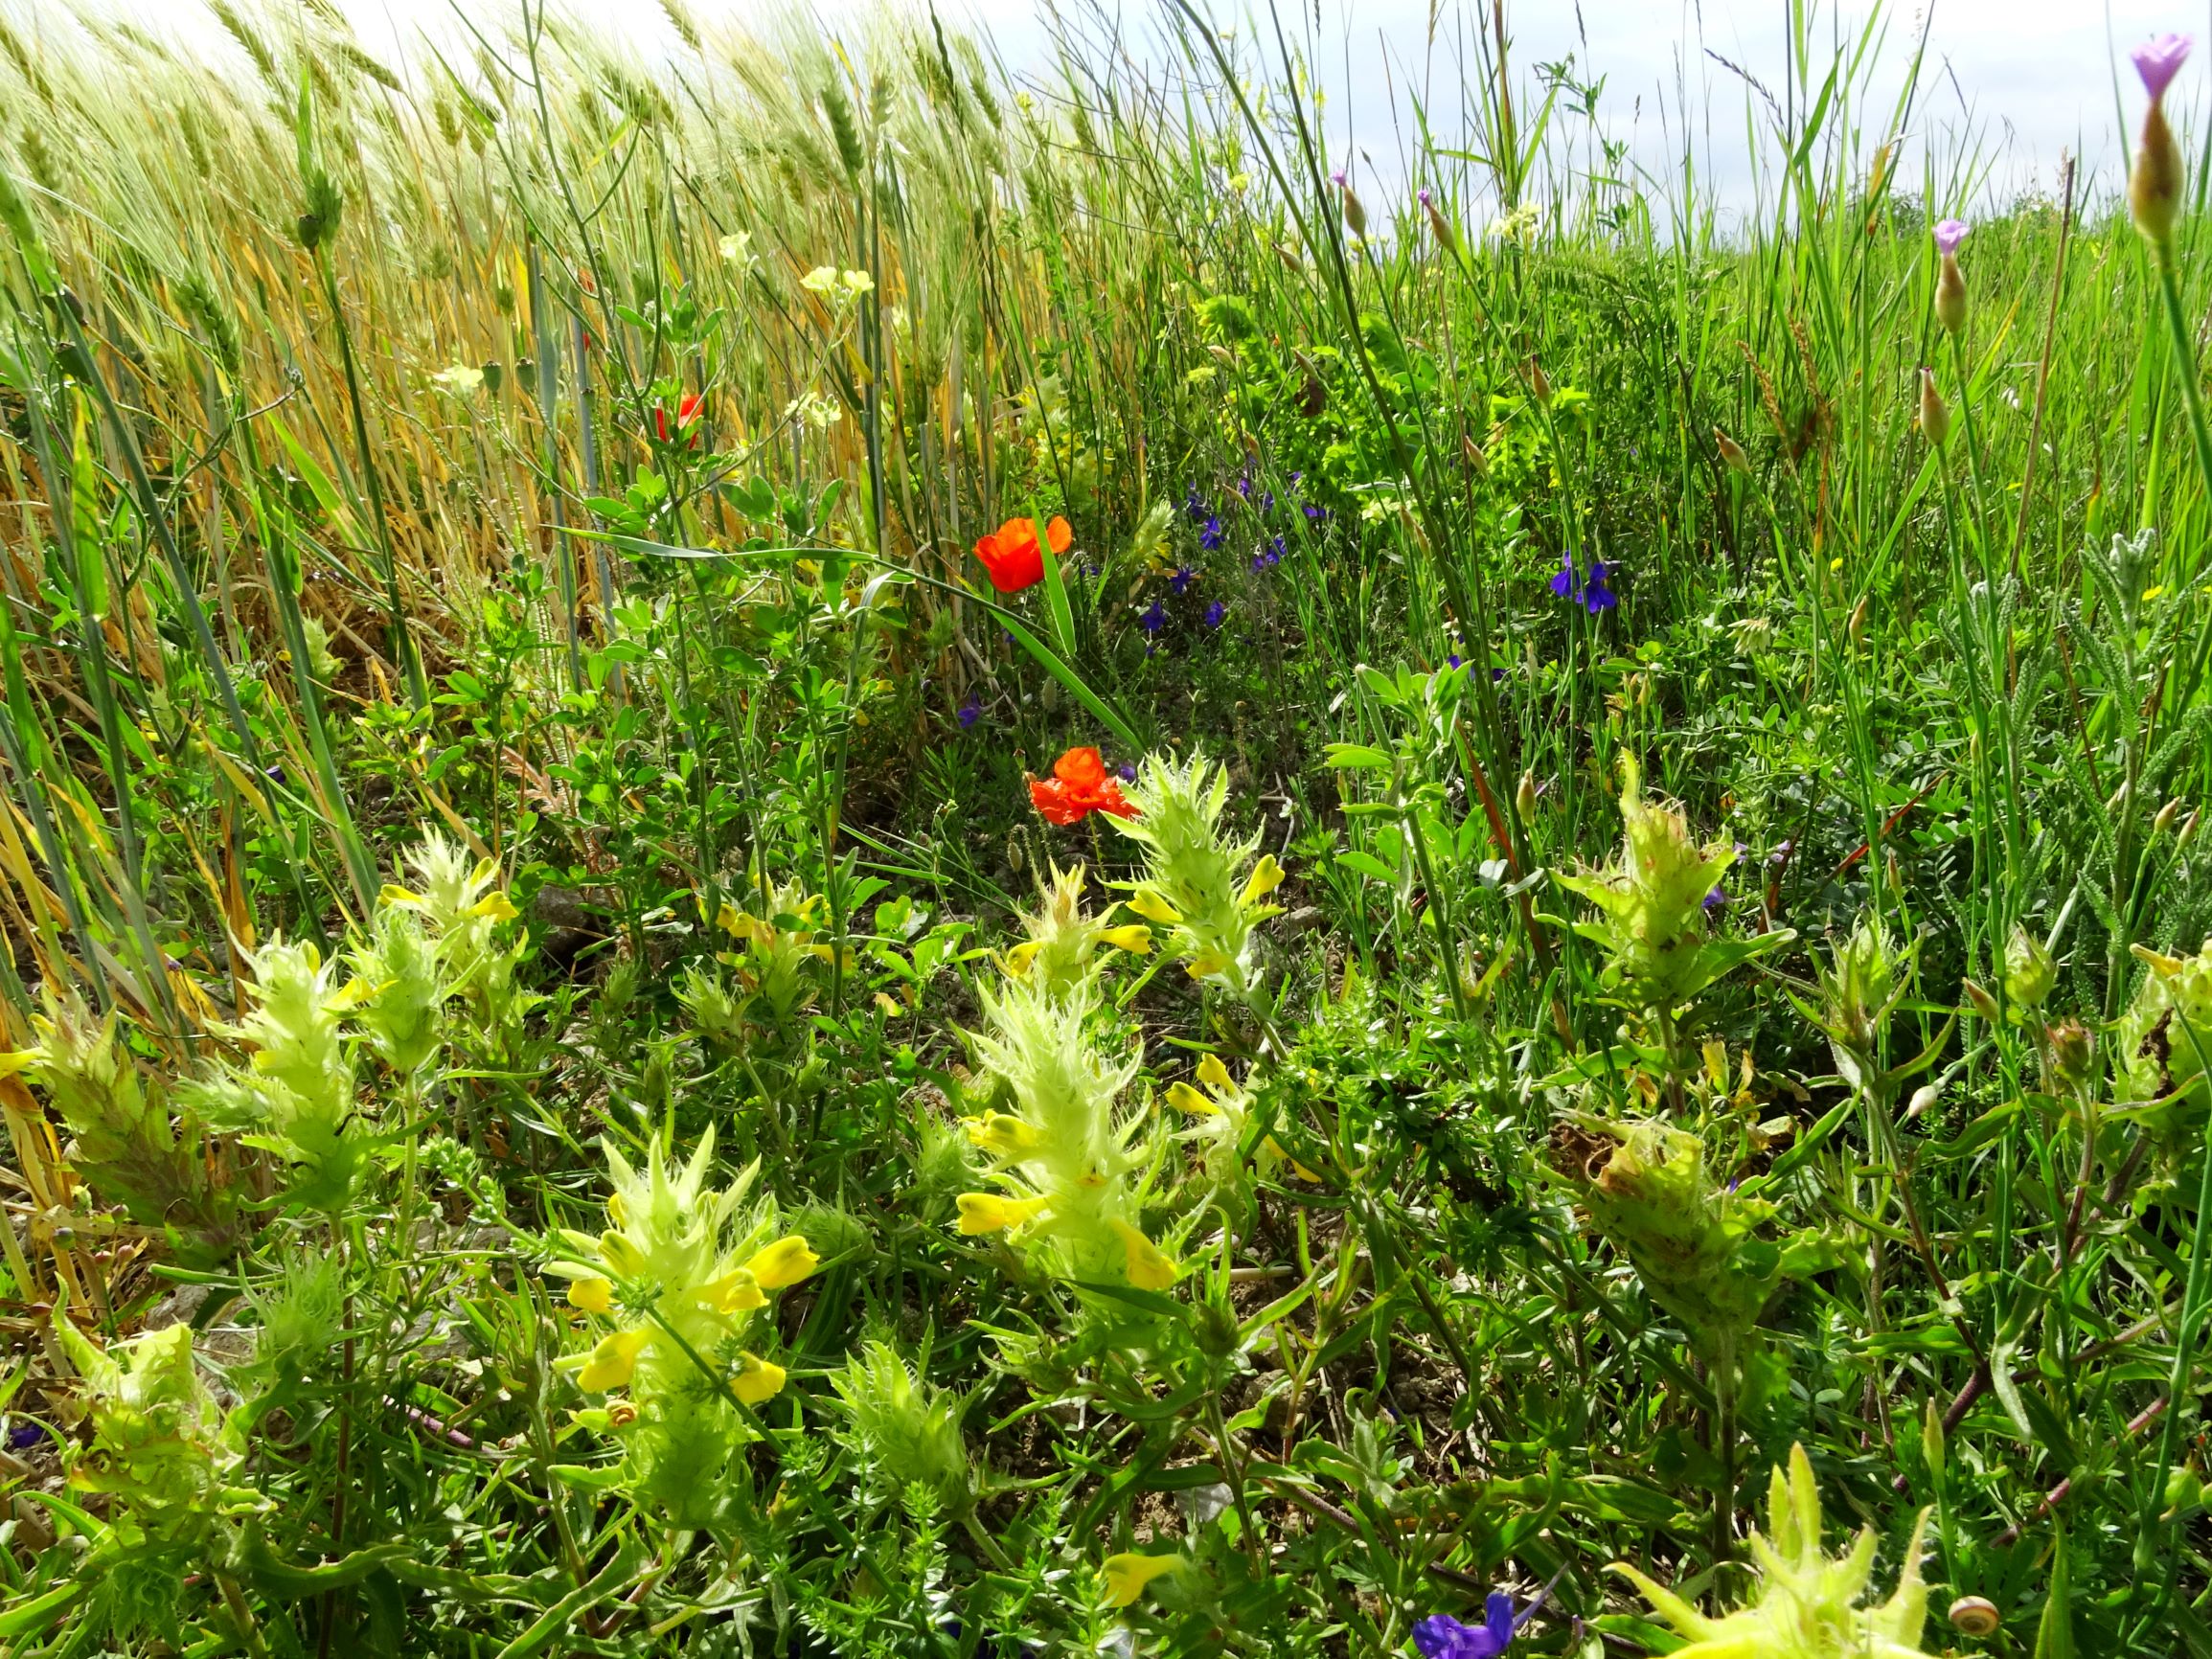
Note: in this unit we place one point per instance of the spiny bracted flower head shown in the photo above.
(157, 1432)
(1198, 881)
(460, 898)
(782, 944)
(908, 1430)
(1809, 1603)
(2162, 1047)
(1693, 1241)
(674, 1269)
(294, 1024)
(83, 1065)
(1220, 1111)
(1858, 992)
(403, 987)
(1064, 1157)
(1652, 920)
(1061, 950)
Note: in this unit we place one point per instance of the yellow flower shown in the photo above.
(1148, 1265)
(1266, 875)
(1017, 960)
(786, 1262)
(733, 1292)
(1136, 938)
(591, 1296)
(989, 1212)
(1297, 1169)
(1214, 1075)
(1003, 1135)
(1127, 1574)
(1206, 963)
(759, 1380)
(1149, 904)
(1184, 1097)
(616, 1250)
(612, 1361)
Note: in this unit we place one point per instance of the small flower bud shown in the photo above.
(2167, 813)
(1934, 413)
(1732, 454)
(1984, 1004)
(1355, 215)
(2072, 1052)
(1539, 384)
(2029, 970)
(1856, 628)
(2155, 182)
(1525, 800)
(1949, 285)
(1447, 239)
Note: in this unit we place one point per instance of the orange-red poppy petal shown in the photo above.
(1059, 535)
(1083, 767)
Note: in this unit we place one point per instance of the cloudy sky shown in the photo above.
(2032, 78)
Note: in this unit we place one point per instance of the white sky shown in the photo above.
(2035, 77)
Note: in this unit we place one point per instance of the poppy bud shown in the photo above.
(1355, 215)
(2072, 1049)
(2155, 182)
(1934, 413)
(1984, 1004)
(1438, 223)
(1732, 454)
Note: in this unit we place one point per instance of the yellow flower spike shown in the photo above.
(1266, 875)
(1185, 1099)
(1148, 1265)
(613, 1361)
(989, 1212)
(616, 1251)
(1216, 1076)
(591, 1296)
(785, 1263)
(1003, 1135)
(1128, 1574)
(1136, 938)
(735, 1292)
(760, 1380)
(1150, 904)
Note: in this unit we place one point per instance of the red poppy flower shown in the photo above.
(688, 413)
(1078, 785)
(1011, 555)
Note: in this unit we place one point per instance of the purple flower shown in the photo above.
(1210, 537)
(1440, 1636)
(2157, 61)
(24, 1436)
(1564, 582)
(1314, 515)
(1266, 501)
(1192, 507)
(970, 712)
(1181, 580)
(1596, 594)
(1454, 660)
(1426, 196)
(1337, 178)
(1948, 234)
(1715, 900)
(1269, 556)
(1244, 487)
(1214, 612)
(1154, 619)
(1129, 771)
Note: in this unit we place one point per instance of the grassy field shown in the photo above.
(806, 853)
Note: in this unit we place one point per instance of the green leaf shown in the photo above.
(1355, 756)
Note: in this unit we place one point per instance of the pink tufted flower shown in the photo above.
(2159, 60)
